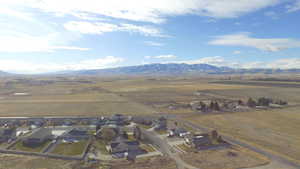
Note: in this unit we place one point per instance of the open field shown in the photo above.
(275, 130)
(262, 83)
(160, 94)
(64, 98)
(147, 163)
(224, 158)
(28, 162)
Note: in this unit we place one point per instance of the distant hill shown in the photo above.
(167, 70)
(176, 69)
(156, 69)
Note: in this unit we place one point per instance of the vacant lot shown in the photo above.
(28, 162)
(147, 163)
(226, 158)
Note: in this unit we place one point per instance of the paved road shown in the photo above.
(166, 149)
(277, 162)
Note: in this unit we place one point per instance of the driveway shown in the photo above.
(166, 149)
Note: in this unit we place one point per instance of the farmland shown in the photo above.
(63, 98)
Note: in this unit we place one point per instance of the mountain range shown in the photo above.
(169, 69)
(176, 69)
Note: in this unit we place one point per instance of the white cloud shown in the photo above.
(243, 39)
(294, 7)
(161, 57)
(288, 63)
(151, 43)
(154, 11)
(26, 43)
(101, 27)
(144, 30)
(30, 67)
(6, 11)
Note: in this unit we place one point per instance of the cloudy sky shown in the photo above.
(53, 35)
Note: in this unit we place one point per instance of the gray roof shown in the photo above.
(125, 146)
(41, 133)
(6, 132)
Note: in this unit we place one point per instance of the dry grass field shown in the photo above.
(28, 162)
(64, 98)
(275, 130)
(232, 158)
(146, 163)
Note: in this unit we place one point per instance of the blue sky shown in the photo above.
(39, 36)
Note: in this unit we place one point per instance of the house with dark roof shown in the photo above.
(178, 132)
(36, 123)
(117, 119)
(161, 124)
(142, 120)
(198, 140)
(122, 148)
(38, 137)
(7, 134)
(75, 135)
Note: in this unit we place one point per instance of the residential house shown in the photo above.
(22, 130)
(75, 135)
(114, 129)
(67, 123)
(198, 140)
(161, 124)
(142, 120)
(38, 137)
(178, 132)
(122, 148)
(118, 119)
(37, 123)
(7, 134)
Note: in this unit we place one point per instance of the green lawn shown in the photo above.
(19, 146)
(70, 149)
